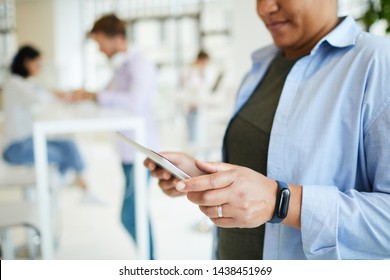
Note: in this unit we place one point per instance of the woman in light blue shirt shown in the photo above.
(329, 142)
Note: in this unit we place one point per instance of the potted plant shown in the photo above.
(377, 10)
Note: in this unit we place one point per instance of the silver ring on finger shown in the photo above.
(219, 211)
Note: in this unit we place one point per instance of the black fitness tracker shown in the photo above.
(282, 202)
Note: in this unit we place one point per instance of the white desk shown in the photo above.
(99, 120)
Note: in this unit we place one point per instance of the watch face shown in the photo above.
(283, 203)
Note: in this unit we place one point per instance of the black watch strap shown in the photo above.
(282, 202)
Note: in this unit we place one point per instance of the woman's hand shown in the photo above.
(247, 198)
(75, 96)
(81, 95)
(166, 180)
(62, 95)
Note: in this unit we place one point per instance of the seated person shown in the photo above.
(21, 98)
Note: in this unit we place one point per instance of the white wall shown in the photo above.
(249, 34)
(68, 41)
(54, 27)
(34, 21)
(34, 25)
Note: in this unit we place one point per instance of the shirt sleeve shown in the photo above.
(353, 224)
(23, 91)
(135, 94)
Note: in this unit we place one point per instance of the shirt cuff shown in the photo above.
(319, 222)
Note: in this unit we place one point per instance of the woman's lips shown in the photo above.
(275, 26)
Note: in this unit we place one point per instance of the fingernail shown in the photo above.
(180, 186)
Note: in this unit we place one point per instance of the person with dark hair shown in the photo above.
(22, 97)
(307, 152)
(132, 88)
(110, 25)
(203, 56)
(26, 62)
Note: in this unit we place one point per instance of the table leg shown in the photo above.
(141, 200)
(43, 193)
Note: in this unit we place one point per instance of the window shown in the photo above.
(171, 32)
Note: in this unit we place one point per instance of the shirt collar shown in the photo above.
(343, 35)
(121, 58)
(264, 54)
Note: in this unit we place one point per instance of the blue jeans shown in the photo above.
(128, 207)
(192, 123)
(62, 153)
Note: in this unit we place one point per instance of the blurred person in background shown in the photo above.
(22, 99)
(196, 84)
(132, 89)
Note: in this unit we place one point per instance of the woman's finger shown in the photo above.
(219, 211)
(162, 174)
(210, 197)
(172, 192)
(224, 222)
(167, 184)
(207, 182)
(149, 164)
(213, 167)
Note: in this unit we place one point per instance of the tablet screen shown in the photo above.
(156, 157)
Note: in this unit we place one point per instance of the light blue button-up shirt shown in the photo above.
(331, 135)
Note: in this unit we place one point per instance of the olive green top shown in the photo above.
(246, 144)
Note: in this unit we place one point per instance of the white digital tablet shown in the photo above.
(156, 157)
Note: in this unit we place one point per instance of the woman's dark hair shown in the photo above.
(18, 63)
